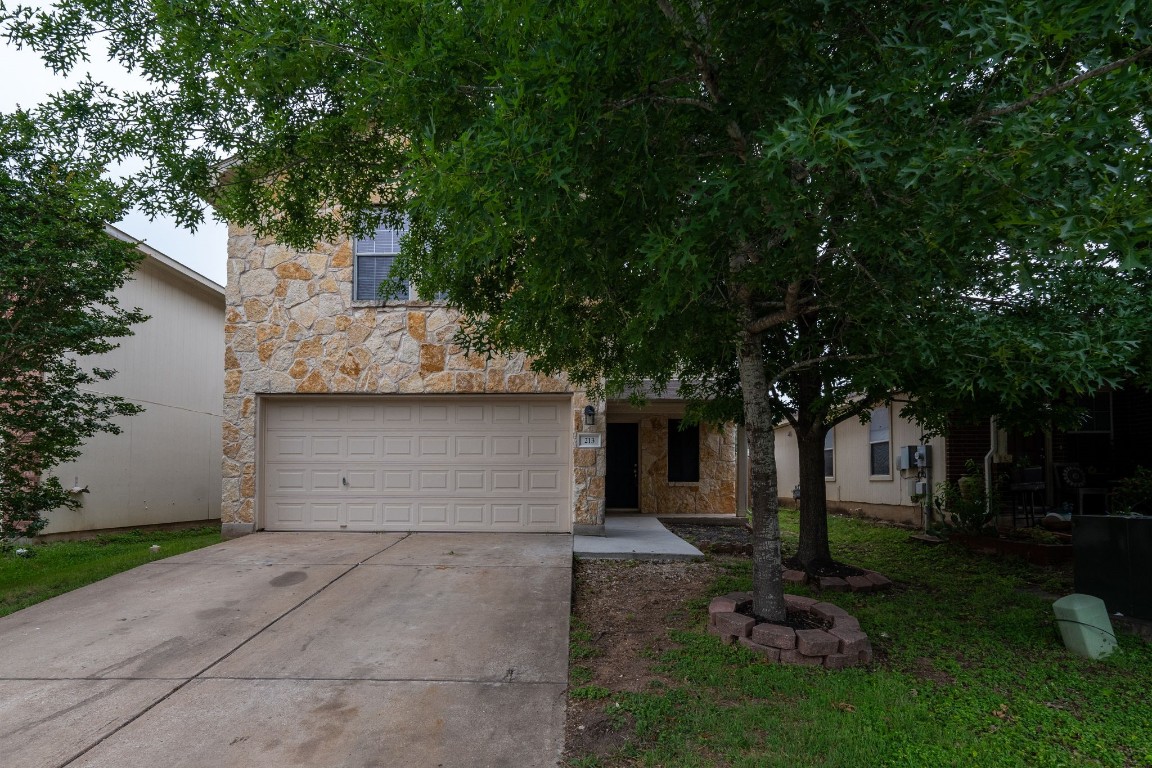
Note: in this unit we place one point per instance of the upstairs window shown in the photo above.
(374, 258)
(683, 452)
(880, 443)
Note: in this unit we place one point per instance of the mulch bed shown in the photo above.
(726, 538)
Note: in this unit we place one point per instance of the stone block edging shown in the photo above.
(841, 644)
(868, 581)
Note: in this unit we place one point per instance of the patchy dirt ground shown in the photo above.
(622, 613)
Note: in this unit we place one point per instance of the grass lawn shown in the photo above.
(969, 670)
(66, 565)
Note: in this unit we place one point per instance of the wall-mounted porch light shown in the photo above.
(589, 415)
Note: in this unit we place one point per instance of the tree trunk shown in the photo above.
(813, 550)
(811, 414)
(767, 565)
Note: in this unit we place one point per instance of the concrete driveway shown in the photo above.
(281, 649)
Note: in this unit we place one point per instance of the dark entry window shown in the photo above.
(683, 452)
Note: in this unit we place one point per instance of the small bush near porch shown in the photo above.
(47, 570)
(968, 670)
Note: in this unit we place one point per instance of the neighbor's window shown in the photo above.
(830, 454)
(374, 258)
(879, 443)
(1097, 416)
(683, 452)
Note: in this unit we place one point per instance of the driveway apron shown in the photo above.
(283, 649)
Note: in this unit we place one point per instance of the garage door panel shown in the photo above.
(507, 446)
(433, 446)
(361, 447)
(506, 514)
(288, 480)
(287, 512)
(360, 480)
(448, 465)
(471, 514)
(398, 446)
(543, 445)
(325, 513)
(398, 514)
(470, 481)
(363, 513)
(431, 514)
(432, 480)
(470, 445)
(324, 480)
(363, 414)
(505, 481)
(470, 414)
(543, 480)
(326, 413)
(397, 480)
(548, 415)
(289, 447)
(543, 514)
(434, 414)
(398, 414)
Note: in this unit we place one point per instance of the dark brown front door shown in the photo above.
(622, 486)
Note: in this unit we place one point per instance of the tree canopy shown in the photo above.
(645, 189)
(58, 269)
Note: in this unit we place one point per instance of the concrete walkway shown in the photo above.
(325, 650)
(634, 537)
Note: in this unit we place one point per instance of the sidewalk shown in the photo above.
(634, 537)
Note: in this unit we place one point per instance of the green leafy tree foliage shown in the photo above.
(58, 269)
(659, 187)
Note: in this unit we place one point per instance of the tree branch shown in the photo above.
(1059, 87)
(653, 98)
(803, 364)
(708, 75)
(794, 307)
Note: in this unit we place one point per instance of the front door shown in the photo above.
(622, 486)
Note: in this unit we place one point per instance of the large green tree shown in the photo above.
(58, 271)
(645, 188)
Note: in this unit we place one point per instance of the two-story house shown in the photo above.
(345, 412)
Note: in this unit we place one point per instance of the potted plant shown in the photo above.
(964, 507)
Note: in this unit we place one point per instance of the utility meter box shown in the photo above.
(914, 457)
(917, 489)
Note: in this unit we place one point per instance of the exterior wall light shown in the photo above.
(589, 415)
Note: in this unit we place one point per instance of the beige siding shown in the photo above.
(165, 465)
(852, 487)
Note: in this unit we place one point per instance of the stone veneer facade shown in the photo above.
(714, 494)
(293, 328)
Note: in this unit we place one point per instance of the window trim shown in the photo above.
(674, 429)
(377, 300)
(888, 441)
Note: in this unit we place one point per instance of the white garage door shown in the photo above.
(424, 463)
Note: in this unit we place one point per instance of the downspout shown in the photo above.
(988, 467)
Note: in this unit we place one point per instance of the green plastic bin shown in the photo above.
(1084, 626)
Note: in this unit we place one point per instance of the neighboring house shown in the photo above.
(343, 413)
(867, 469)
(1074, 470)
(164, 467)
